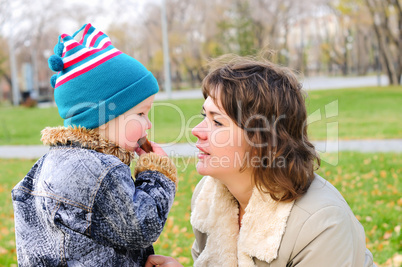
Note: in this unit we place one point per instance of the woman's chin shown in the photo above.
(202, 169)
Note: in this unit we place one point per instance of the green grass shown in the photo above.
(371, 185)
(172, 121)
(11, 171)
(369, 182)
(363, 113)
(22, 126)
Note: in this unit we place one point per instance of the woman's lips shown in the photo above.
(203, 153)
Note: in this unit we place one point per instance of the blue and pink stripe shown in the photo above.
(93, 49)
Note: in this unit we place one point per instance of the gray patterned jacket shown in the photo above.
(79, 205)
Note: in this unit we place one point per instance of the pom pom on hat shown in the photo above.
(53, 80)
(55, 63)
(58, 49)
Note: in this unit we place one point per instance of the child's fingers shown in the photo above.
(159, 260)
(157, 149)
(139, 151)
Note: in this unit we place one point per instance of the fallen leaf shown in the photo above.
(177, 251)
(397, 229)
(175, 229)
(183, 260)
(387, 235)
(391, 204)
(396, 260)
(3, 250)
(380, 247)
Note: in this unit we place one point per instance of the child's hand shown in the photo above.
(155, 147)
(163, 261)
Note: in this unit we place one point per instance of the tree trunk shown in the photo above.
(386, 41)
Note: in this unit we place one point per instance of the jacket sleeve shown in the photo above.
(330, 237)
(131, 215)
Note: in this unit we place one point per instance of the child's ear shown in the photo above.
(104, 127)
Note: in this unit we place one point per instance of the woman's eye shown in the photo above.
(141, 114)
(217, 123)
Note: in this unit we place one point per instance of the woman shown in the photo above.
(260, 202)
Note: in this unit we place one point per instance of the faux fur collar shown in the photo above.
(84, 138)
(216, 214)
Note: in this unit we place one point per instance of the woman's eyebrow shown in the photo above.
(213, 113)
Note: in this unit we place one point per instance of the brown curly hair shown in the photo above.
(267, 102)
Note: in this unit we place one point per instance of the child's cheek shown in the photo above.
(134, 131)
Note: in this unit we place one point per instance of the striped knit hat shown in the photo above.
(96, 82)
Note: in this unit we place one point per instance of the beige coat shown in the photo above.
(319, 229)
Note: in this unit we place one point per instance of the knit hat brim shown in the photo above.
(113, 107)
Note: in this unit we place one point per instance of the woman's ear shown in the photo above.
(250, 141)
(254, 151)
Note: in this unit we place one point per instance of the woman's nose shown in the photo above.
(201, 130)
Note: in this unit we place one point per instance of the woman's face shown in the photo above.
(221, 142)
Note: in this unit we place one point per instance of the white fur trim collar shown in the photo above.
(216, 214)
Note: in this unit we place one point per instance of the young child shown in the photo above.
(79, 205)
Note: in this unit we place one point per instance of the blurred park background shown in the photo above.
(331, 41)
(315, 37)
